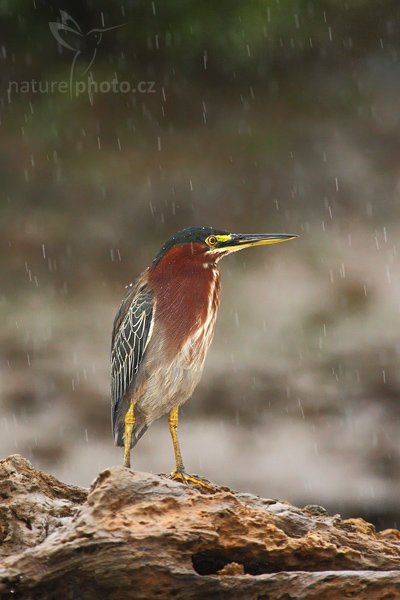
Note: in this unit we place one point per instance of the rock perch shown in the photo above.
(142, 536)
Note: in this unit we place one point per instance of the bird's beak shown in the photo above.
(239, 241)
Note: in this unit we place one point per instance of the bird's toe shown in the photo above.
(187, 479)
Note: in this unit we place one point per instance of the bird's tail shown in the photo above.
(138, 431)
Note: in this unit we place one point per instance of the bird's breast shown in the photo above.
(186, 309)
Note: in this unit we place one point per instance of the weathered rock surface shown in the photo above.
(32, 505)
(137, 535)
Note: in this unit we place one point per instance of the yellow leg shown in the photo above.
(129, 425)
(173, 427)
(179, 474)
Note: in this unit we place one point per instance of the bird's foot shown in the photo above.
(185, 478)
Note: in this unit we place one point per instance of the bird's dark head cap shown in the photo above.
(190, 235)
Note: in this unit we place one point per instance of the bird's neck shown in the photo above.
(187, 295)
(194, 280)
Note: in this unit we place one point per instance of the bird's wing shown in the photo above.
(131, 334)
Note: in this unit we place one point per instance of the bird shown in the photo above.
(162, 332)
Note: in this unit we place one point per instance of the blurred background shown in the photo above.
(271, 115)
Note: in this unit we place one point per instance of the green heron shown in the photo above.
(163, 330)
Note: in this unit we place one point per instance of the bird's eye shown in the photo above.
(211, 240)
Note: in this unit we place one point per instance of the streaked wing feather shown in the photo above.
(131, 334)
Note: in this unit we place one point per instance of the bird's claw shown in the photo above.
(187, 479)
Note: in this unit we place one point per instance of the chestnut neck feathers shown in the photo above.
(186, 284)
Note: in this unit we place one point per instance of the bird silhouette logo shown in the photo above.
(69, 34)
